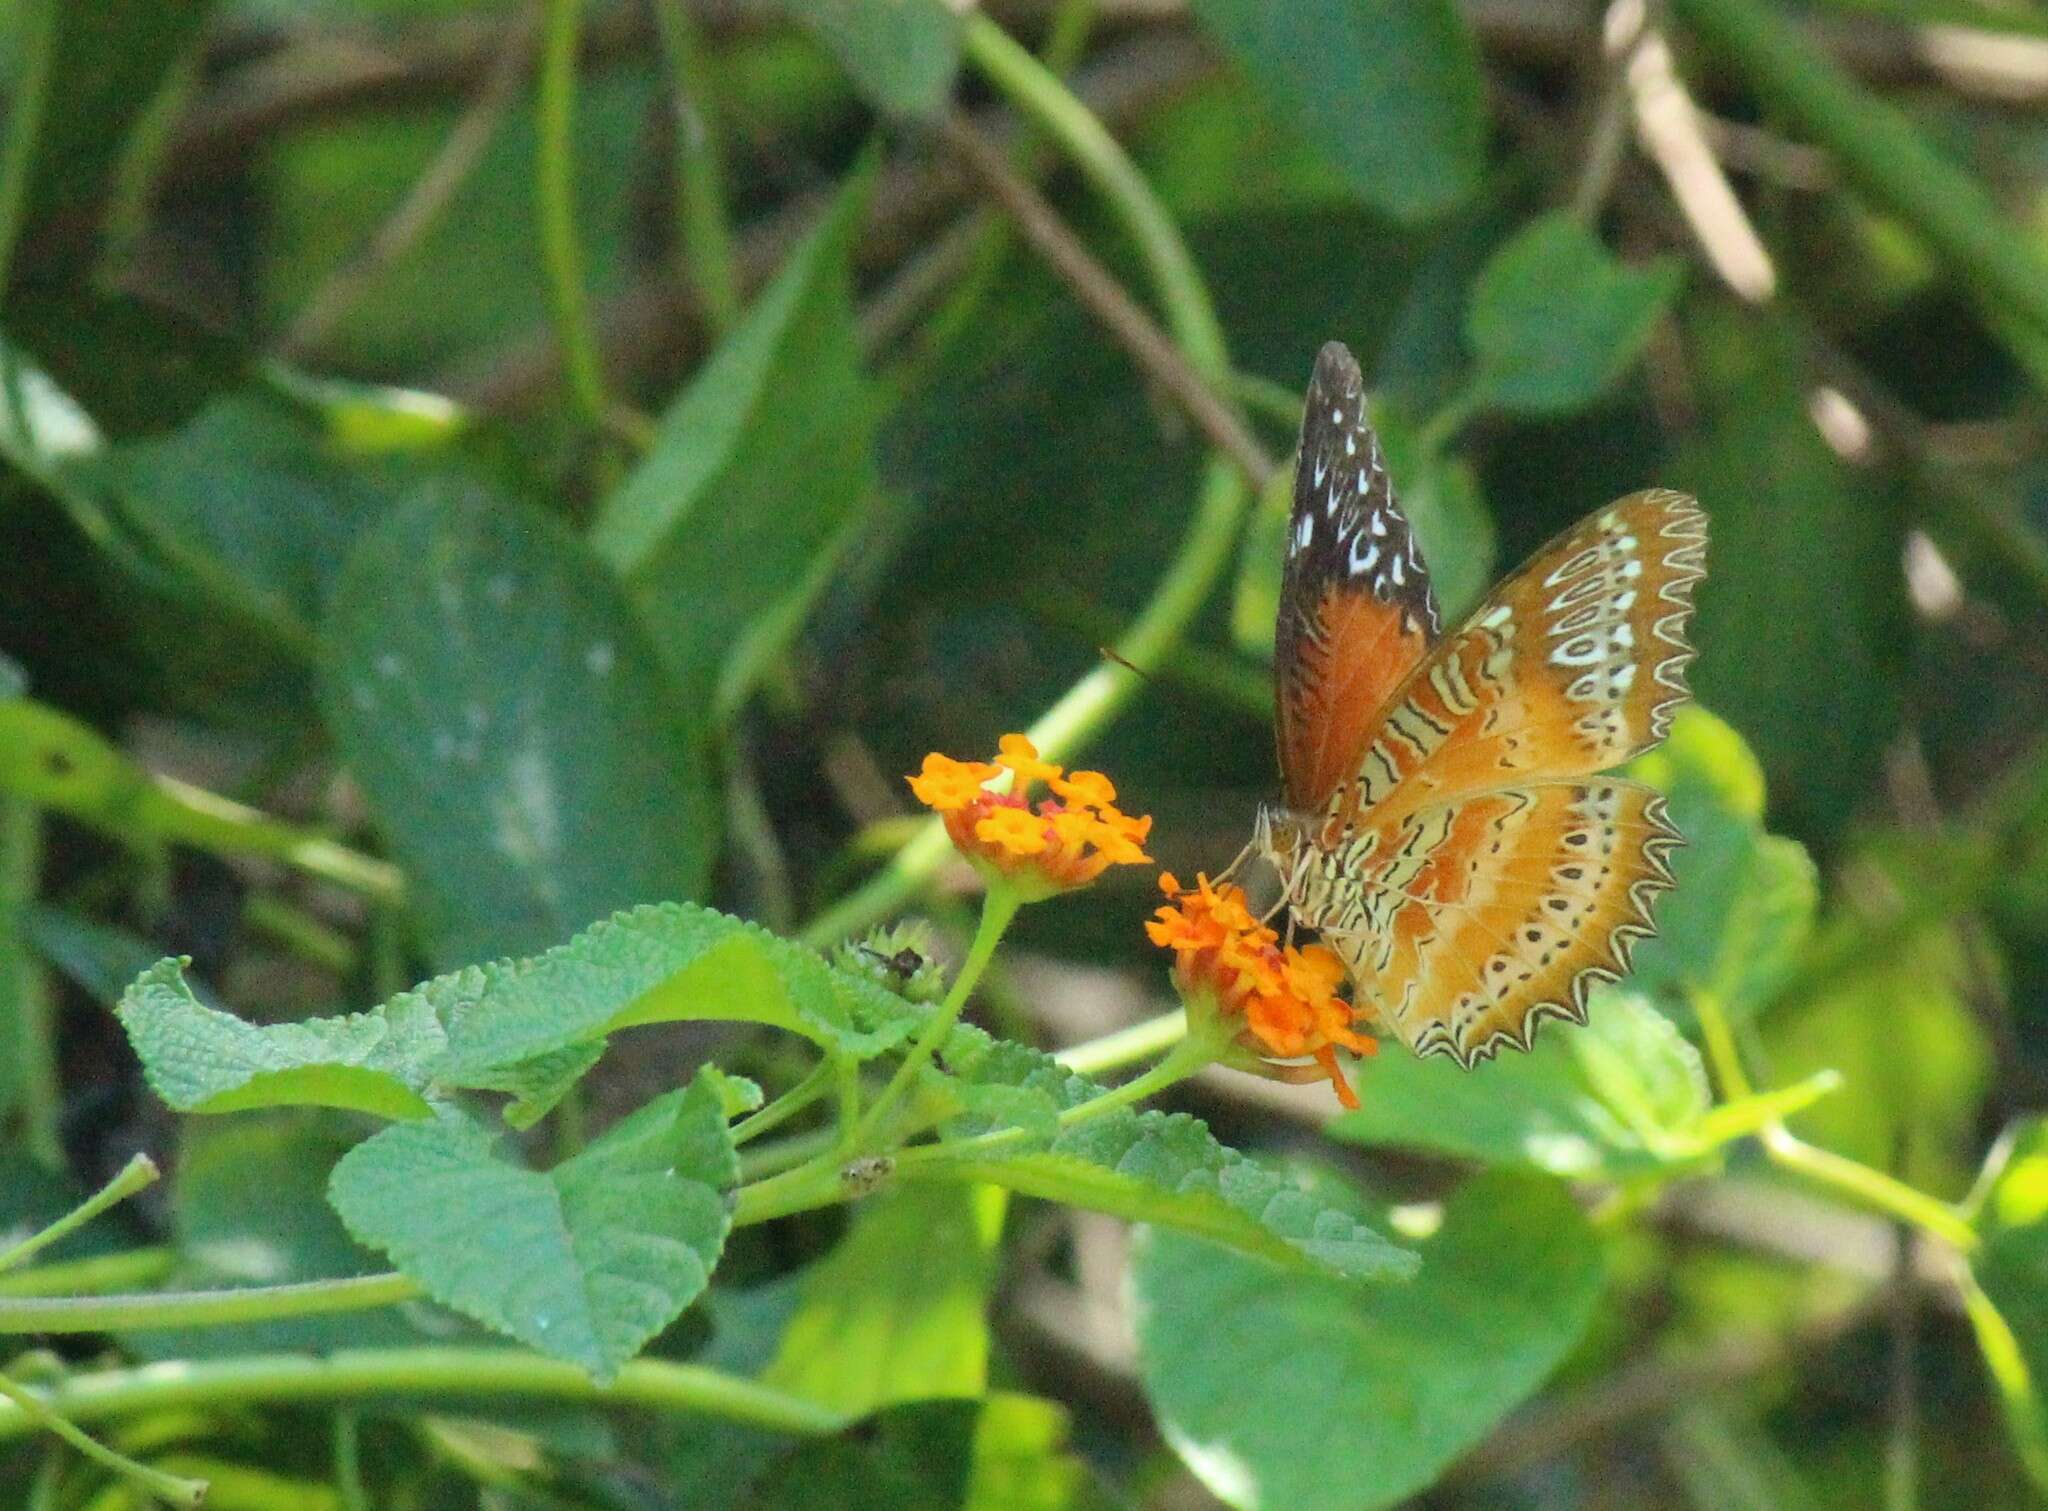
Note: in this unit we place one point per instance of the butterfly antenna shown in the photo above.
(1125, 662)
(1231, 869)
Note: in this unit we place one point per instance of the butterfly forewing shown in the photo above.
(1356, 610)
(1571, 666)
(1470, 922)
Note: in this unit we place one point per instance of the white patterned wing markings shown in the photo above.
(1526, 932)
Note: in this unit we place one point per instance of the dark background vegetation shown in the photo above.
(378, 452)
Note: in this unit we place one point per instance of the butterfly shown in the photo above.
(1444, 826)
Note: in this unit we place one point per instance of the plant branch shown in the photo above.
(1126, 1046)
(122, 1270)
(555, 204)
(447, 1373)
(423, 203)
(138, 1173)
(168, 1309)
(998, 907)
(1889, 160)
(1097, 290)
(24, 990)
(1839, 1176)
(34, 1409)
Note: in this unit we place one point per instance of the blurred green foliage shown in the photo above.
(352, 629)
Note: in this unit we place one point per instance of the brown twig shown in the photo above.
(1099, 292)
(1668, 127)
(460, 152)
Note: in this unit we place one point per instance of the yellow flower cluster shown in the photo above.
(1054, 845)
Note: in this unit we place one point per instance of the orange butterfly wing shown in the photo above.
(1572, 665)
(1471, 922)
(1356, 610)
(1473, 888)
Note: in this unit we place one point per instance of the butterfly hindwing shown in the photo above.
(1356, 609)
(1471, 922)
(1571, 666)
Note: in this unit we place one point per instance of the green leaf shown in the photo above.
(1389, 91)
(1266, 1385)
(896, 1312)
(530, 1027)
(585, 1262)
(910, 1458)
(537, 1085)
(254, 503)
(248, 1206)
(1555, 321)
(508, 720)
(201, 1060)
(1805, 562)
(902, 54)
(1617, 1098)
(1745, 901)
(1160, 1168)
(247, 505)
(101, 959)
(665, 963)
(1913, 1059)
(732, 520)
(2011, 1272)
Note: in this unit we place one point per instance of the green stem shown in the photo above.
(1204, 551)
(32, 1408)
(22, 984)
(348, 1461)
(138, 1173)
(127, 1270)
(786, 1153)
(36, 50)
(1186, 1056)
(1887, 158)
(300, 932)
(998, 907)
(1127, 1045)
(459, 1373)
(703, 232)
(176, 810)
(169, 1309)
(1868, 1188)
(818, 1182)
(1834, 1173)
(1045, 98)
(1722, 1054)
(555, 205)
(815, 1084)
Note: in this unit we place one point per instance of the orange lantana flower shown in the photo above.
(1052, 845)
(1228, 963)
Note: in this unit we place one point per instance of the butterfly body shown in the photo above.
(1454, 842)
